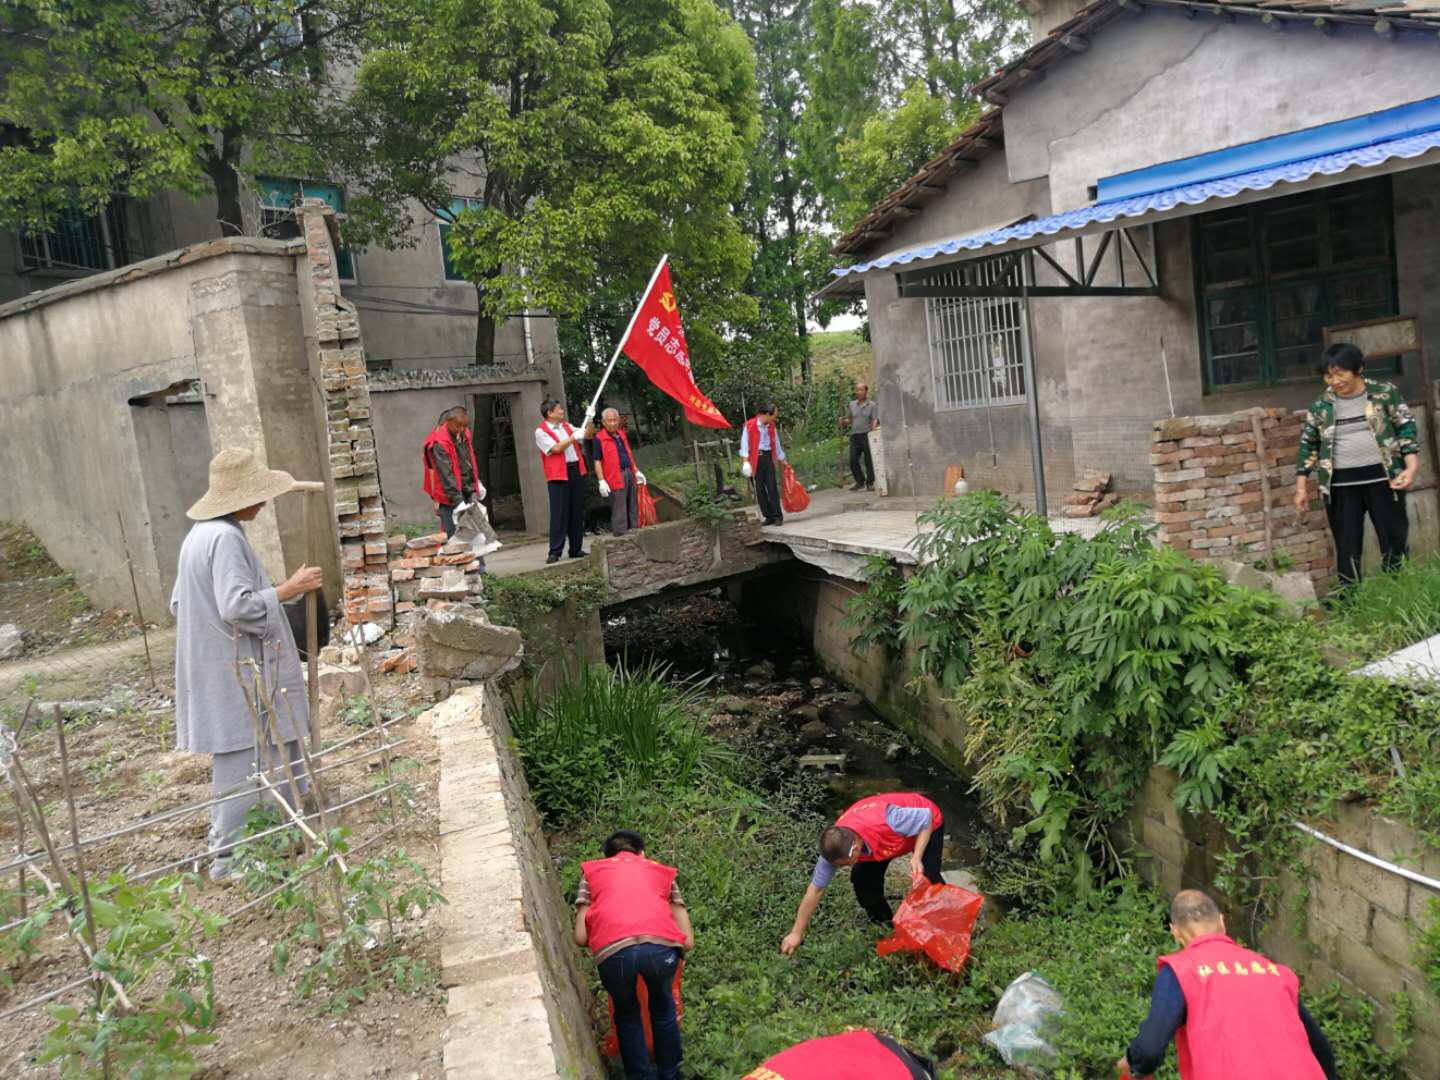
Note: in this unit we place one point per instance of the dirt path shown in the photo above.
(90, 659)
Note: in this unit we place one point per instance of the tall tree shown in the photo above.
(594, 136)
(133, 97)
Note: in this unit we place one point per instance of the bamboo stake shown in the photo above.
(74, 829)
(135, 592)
(375, 719)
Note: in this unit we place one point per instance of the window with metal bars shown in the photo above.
(977, 343)
(278, 199)
(1270, 277)
(80, 243)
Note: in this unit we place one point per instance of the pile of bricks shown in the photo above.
(359, 511)
(431, 572)
(1223, 490)
(1090, 495)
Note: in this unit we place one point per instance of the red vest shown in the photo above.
(555, 463)
(629, 897)
(1242, 1015)
(752, 439)
(610, 457)
(441, 435)
(867, 819)
(855, 1055)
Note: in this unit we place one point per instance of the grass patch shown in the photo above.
(1388, 611)
(844, 353)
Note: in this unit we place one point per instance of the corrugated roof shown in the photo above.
(1157, 202)
(1072, 36)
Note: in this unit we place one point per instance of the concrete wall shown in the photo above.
(1351, 921)
(681, 554)
(405, 413)
(75, 358)
(517, 1001)
(1158, 86)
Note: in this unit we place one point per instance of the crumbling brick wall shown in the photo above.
(1223, 490)
(337, 354)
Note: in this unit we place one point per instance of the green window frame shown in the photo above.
(1270, 276)
(458, 205)
(278, 198)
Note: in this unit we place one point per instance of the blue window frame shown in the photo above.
(278, 199)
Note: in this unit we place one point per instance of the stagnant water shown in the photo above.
(775, 704)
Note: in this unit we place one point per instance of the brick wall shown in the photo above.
(1223, 489)
(333, 336)
(1346, 920)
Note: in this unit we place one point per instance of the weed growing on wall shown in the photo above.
(1075, 664)
(514, 601)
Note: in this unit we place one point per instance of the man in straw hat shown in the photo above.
(236, 664)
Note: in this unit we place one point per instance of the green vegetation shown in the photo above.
(605, 728)
(345, 918)
(513, 601)
(1388, 611)
(153, 948)
(744, 857)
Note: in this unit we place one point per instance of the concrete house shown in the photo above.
(1165, 206)
(416, 313)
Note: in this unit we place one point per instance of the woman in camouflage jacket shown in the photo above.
(1359, 441)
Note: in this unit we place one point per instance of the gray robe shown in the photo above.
(226, 610)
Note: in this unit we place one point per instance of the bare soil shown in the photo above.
(125, 769)
(44, 601)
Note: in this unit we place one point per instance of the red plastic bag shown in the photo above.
(611, 1046)
(643, 499)
(936, 920)
(793, 496)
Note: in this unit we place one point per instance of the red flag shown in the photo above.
(656, 342)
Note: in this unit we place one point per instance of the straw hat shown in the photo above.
(237, 480)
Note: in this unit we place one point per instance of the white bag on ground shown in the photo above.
(1025, 1010)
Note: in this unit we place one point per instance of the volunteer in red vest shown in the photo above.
(760, 449)
(629, 911)
(563, 457)
(619, 473)
(867, 836)
(1234, 1015)
(855, 1055)
(448, 463)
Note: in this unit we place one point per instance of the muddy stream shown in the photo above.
(773, 703)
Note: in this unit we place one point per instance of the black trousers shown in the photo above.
(860, 452)
(1347, 508)
(767, 487)
(567, 513)
(869, 878)
(447, 520)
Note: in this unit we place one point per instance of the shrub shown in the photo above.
(605, 728)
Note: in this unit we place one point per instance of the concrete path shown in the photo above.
(1419, 663)
(91, 659)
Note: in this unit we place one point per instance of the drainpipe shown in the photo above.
(525, 330)
(1373, 860)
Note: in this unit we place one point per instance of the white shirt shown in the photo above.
(547, 438)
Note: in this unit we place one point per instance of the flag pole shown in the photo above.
(590, 411)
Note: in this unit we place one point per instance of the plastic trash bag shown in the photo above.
(611, 1046)
(936, 920)
(793, 496)
(1026, 1008)
(473, 526)
(646, 504)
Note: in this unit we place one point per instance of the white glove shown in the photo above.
(639, 478)
(604, 489)
(745, 469)
(460, 508)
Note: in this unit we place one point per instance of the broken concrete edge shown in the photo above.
(159, 264)
(518, 1002)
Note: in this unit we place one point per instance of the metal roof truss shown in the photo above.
(1122, 261)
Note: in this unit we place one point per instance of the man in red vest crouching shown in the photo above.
(449, 468)
(855, 1055)
(1234, 1015)
(629, 912)
(867, 836)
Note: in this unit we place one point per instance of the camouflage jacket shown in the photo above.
(1390, 421)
